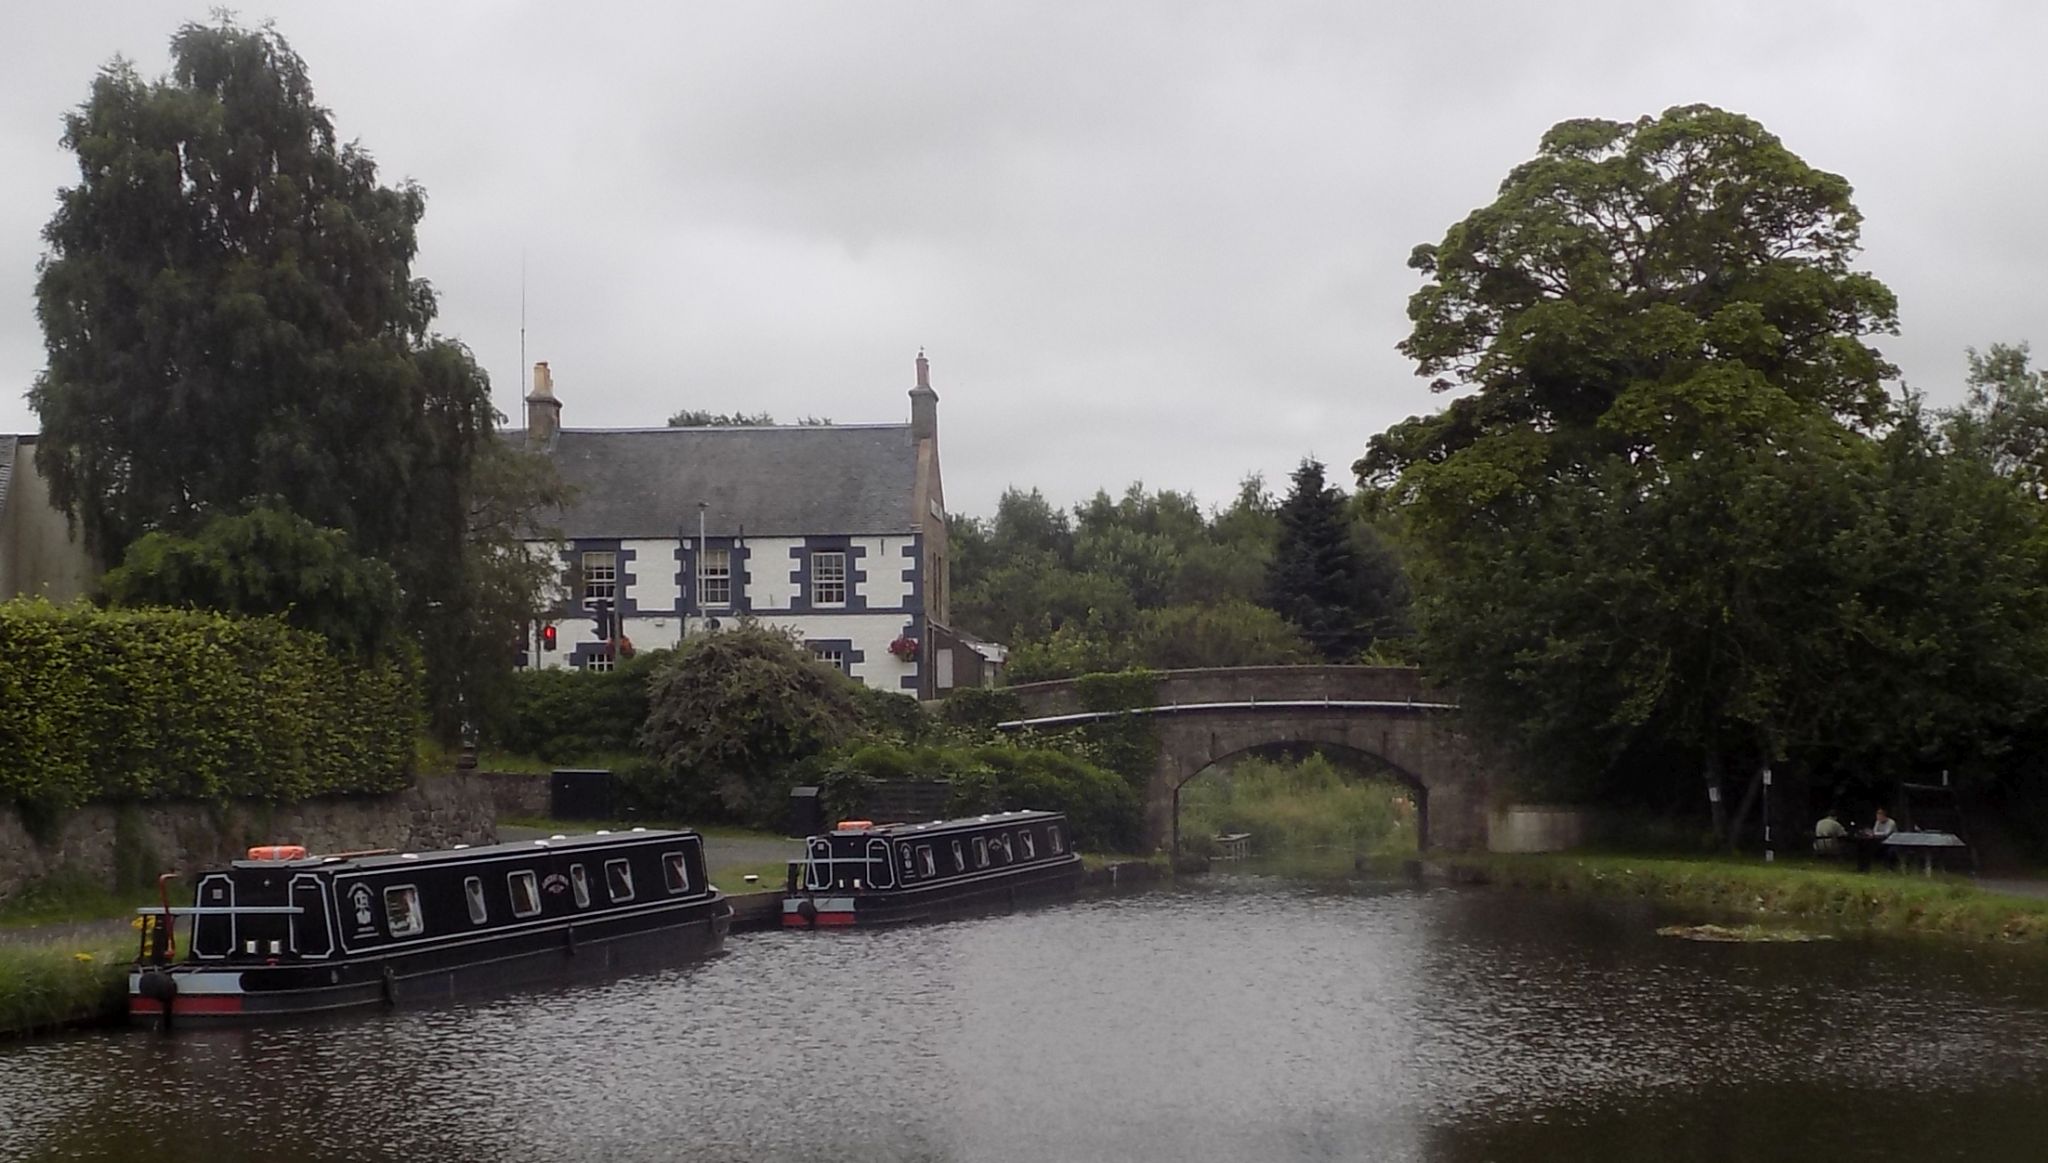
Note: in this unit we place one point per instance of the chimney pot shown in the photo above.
(543, 410)
(924, 403)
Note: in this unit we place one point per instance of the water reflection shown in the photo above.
(1237, 1020)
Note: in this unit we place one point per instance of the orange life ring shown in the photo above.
(278, 852)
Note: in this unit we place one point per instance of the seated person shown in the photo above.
(1870, 841)
(1830, 838)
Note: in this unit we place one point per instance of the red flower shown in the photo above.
(904, 647)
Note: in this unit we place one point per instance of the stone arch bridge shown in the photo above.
(1388, 713)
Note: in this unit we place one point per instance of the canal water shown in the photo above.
(1242, 1019)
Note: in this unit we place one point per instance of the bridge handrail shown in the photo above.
(1253, 705)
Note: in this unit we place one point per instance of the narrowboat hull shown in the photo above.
(1004, 889)
(199, 994)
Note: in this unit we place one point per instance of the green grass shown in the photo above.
(43, 987)
(1877, 901)
(61, 898)
(732, 878)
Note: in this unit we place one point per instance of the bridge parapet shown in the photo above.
(1245, 684)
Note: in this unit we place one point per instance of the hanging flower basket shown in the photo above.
(904, 647)
(625, 647)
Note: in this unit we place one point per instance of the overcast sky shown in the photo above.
(1140, 241)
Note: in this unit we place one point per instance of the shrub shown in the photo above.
(171, 704)
(731, 713)
(565, 715)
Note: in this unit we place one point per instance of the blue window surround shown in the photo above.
(686, 578)
(913, 604)
(585, 653)
(843, 645)
(576, 623)
(856, 577)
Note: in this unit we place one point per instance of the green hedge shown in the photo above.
(571, 714)
(172, 704)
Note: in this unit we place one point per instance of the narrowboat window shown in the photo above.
(959, 858)
(675, 872)
(1052, 833)
(618, 880)
(926, 861)
(1028, 843)
(525, 894)
(473, 890)
(981, 852)
(402, 911)
(579, 884)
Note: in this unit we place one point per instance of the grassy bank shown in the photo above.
(63, 898)
(43, 987)
(1875, 901)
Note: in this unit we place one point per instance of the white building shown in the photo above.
(836, 531)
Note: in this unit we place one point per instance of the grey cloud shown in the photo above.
(1160, 241)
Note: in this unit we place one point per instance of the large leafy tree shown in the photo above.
(1623, 523)
(230, 315)
(2003, 420)
(264, 562)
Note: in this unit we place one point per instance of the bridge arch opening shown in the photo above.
(1305, 804)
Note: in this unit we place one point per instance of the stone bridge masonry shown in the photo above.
(1389, 713)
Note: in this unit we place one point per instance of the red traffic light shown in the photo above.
(547, 637)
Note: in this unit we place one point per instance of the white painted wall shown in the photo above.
(870, 634)
(888, 570)
(771, 572)
(771, 589)
(654, 574)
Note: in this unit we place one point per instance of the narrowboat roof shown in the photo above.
(557, 843)
(992, 820)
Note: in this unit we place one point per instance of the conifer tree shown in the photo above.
(1316, 579)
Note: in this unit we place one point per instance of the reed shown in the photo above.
(43, 987)
(1307, 816)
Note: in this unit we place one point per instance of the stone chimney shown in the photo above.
(543, 411)
(924, 403)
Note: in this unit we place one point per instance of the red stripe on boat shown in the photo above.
(835, 918)
(199, 1003)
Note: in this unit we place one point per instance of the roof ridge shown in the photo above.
(736, 428)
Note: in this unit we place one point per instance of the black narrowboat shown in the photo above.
(862, 873)
(287, 933)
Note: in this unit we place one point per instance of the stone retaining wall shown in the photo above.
(518, 795)
(130, 844)
(1540, 828)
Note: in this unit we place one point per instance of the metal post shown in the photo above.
(702, 506)
(1769, 854)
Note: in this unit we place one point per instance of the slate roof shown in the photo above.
(9, 449)
(772, 482)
